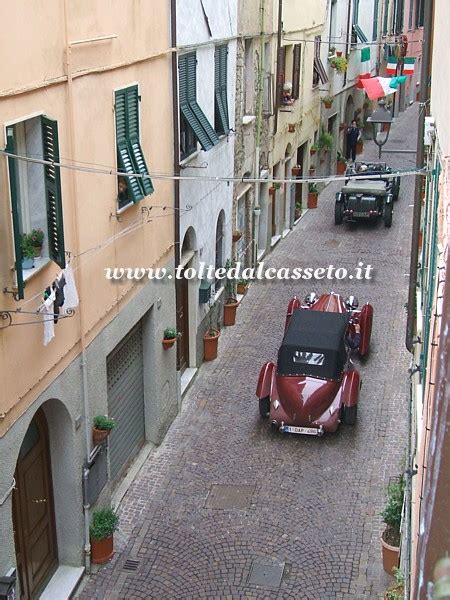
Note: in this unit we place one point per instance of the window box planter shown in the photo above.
(210, 344)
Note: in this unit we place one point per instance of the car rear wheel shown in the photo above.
(338, 213)
(387, 216)
(350, 413)
(264, 407)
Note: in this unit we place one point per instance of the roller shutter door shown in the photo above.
(126, 401)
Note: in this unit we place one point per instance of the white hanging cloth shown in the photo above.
(70, 291)
(48, 318)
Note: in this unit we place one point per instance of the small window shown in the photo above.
(130, 158)
(35, 197)
(308, 358)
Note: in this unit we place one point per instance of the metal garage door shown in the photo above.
(126, 401)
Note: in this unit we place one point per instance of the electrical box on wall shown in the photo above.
(428, 133)
(204, 292)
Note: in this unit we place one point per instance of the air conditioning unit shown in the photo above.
(429, 131)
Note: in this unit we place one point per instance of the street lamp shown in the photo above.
(381, 120)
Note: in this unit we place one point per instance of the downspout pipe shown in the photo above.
(279, 43)
(77, 227)
(259, 118)
(417, 212)
(176, 152)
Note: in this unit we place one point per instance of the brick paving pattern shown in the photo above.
(315, 508)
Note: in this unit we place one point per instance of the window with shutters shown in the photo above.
(281, 69)
(193, 122)
(319, 72)
(296, 65)
(130, 158)
(35, 189)
(221, 121)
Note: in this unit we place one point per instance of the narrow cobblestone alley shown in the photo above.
(313, 503)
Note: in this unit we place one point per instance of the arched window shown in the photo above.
(219, 262)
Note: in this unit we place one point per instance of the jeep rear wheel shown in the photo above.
(387, 216)
(264, 407)
(350, 413)
(338, 213)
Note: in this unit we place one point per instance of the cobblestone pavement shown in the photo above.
(315, 502)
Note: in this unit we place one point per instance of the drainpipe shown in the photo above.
(417, 213)
(279, 43)
(77, 227)
(176, 155)
(259, 119)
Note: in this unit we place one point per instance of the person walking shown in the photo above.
(353, 135)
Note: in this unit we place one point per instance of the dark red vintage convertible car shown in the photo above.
(314, 386)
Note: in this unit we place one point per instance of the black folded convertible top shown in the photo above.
(316, 332)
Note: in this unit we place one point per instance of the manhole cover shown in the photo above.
(223, 496)
(266, 575)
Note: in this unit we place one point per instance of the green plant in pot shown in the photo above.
(341, 163)
(313, 194)
(27, 252)
(103, 426)
(327, 101)
(37, 241)
(231, 303)
(325, 140)
(104, 523)
(392, 517)
(242, 286)
(170, 336)
(396, 591)
(339, 63)
(298, 210)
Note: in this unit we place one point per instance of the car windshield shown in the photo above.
(303, 357)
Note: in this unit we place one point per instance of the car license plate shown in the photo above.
(302, 430)
(360, 214)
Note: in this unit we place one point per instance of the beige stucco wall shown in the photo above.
(26, 368)
(441, 74)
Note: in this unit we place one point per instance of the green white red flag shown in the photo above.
(408, 65)
(391, 67)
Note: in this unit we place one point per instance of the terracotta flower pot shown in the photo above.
(210, 345)
(359, 147)
(390, 556)
(341, 168)
(168, 343)
(297, 213)
(102, 550)
(338, 52)
(272, 192)
(99, 435)
(229, 313)
(312, 199)
(237, 236)
(328, 104)
(242, 288)
(312, 151)
(312, 170)
(291, 127)
(296, 171)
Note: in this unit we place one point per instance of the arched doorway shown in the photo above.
(182, 287)
(34, 511)
(348, 118)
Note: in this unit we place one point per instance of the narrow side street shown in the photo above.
(310, 504)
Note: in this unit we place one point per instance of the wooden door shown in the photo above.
(33, 511)
(274, 214)
(183, 322)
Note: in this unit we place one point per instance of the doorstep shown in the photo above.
(187, 378)
(63, 583)
(285, 233)
(275, 239)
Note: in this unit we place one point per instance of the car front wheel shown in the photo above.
(350, 413)
(338, 213)
(264, 407)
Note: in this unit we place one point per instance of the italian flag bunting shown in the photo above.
(391, 67)
(365, 67)
(378, 87)
(408, 65)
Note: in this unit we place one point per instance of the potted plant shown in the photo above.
(312, 169)
(102, 428)
(291, 127)
(313, 149)
(327, 101)
(396, 591)
(341, 164)
(360, 146)
(325, 141)
(297, 211)
(104, 522)
(242, 286)
(296, 171)
(27, 252)
(338, 52)
(37, 241)
(312, 195)
(231, 303)
(211, 337)
(392, 517)
(339, 63)
(237, 235)
(169, 337)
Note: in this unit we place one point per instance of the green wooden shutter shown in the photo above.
(137, 156)
(52, 181)
(224, 82)
(281, 62)
(220, 91)
(296, 72)
(17, 226)
(126, 165)
(141, 165)
(120, 108)
(191, 77)
(132, 107)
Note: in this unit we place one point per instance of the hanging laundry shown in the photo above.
(58, 287)
(47, 312)
(70, 291)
